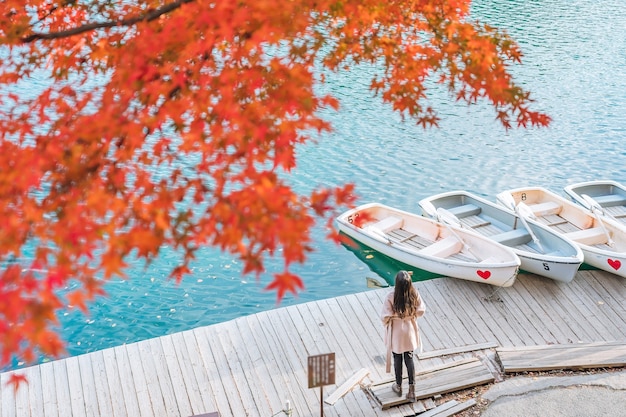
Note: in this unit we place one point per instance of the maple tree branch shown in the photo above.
(146, 17)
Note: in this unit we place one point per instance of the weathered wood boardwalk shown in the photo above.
(250, 366)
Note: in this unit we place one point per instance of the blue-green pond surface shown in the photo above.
(575, 65)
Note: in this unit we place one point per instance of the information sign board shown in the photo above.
(321, 370)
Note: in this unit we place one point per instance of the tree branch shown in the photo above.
(146, 17)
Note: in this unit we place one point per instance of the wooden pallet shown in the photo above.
(443, 379)
(571, 356)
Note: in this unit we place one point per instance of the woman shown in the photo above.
(399, 314)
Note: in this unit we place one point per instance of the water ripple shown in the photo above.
(575, 66)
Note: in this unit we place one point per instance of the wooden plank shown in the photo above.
(101, 383)
(127, 387)
(114, 382)
(88, 386)
(440, 408)
(455, 350)
(140, 381)
(163, 378)
(449, 408)
(35, 390)
(348, 385)
(8, 397)
(475, 222)
(22, 407)
(194, 359)
(456, 408)
(572, 346)
(75, 386)
(62, 388)
(50, 402)
(550, 357)
(176, 379)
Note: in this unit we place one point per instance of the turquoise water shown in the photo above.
(575, 66)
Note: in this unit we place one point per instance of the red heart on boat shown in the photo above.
(615, 264)
(486, 274)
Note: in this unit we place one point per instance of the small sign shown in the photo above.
(321, 370)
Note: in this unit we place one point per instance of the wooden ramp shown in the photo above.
(443, 379)
(571, 356)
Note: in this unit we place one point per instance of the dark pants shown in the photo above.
(410, 366)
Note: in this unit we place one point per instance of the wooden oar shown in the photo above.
(448, 219)
(523, 211)
(596, 208)
(507, 200)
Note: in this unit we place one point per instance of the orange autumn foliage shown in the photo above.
(96, 97)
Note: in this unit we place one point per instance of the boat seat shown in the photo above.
(387, 224)
(591, 236)
(443, 248)
(465, 210)
(545, 209)
(513, 237)
(610, 200)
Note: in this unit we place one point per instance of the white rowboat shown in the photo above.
(541, 251)
(606, 196)
(601, 239)
(430, 245)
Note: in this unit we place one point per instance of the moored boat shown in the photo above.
(607, 197)
(541, 251)
(430, 245)
(601, 239)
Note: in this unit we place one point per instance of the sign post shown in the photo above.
(321, 372)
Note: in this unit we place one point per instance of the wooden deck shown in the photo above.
(250, 366)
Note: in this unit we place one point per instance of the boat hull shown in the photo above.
(498, 267)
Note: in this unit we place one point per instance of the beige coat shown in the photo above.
(401, 334)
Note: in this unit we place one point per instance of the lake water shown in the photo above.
(575, 66)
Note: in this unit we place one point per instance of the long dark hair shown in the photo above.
(405, 297)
